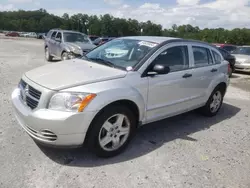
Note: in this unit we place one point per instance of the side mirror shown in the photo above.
(57, 39)
(159, 69)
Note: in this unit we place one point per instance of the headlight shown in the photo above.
(77, 51)
(70, 101)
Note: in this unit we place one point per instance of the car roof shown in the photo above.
(154, 39)
(70, 31)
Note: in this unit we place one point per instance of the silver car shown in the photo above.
(66, 44)
(242, 55)
(102, 98)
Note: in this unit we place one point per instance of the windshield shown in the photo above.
(75, 37)
(242, 50)
(122, 53)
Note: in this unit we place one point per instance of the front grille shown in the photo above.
(29, 95)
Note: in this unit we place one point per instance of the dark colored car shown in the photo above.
(230, 58)
(102, 40)
(228, 47)
(93, 37)
(12, 34)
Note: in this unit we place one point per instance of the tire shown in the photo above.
(48, 57)
(230, 72)
(212, 107)
(103, 136)
(64, 56)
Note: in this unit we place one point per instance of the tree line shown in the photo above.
(107, 25)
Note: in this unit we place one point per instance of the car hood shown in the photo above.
(71, 73)
(83, 46)
(240, 57)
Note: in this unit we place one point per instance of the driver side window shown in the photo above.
(176, 58)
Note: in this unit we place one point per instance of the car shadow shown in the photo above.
(149, 138)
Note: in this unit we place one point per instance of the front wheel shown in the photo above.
(214, 103)
(111, 131)
(47, 54)
(65, 56)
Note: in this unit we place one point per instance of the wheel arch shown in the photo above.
(124, 102)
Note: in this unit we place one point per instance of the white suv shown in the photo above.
(100, 99)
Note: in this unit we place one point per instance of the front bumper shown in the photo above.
(51, 127)
(242, 67)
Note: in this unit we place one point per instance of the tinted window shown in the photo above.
(242, 50)
(202, 56)
(75, 37)
(229, 48)
(59, 35)
(217, 57)
(53, 34)
(176, 58)
(224, 53)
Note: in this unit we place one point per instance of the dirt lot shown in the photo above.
(184, 151)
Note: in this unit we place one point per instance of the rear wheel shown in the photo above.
(111, 131)
(47, 54)
(214, 102)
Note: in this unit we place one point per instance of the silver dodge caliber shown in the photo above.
(103, 97)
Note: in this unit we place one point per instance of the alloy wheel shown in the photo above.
(114, 132)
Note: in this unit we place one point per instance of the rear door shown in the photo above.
(204, 70)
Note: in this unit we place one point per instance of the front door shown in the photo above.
(172, 93)
(58, 42)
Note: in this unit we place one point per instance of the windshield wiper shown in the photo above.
(105, 62)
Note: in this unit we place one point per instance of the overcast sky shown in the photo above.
(203, 13)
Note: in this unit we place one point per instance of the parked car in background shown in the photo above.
(12, 34)
(30, 35)
(93, 37)
(227, 47)
(242, 55)
(41, 35)
(102, 40)
(230, 58)
(101, 101)
(66, 44)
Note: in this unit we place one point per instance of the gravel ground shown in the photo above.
(184, 151)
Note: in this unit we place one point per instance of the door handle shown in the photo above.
(214, 70)
(187, 75)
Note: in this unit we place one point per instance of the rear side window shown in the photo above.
(202, 56)
(53, 34)
(217, 57)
